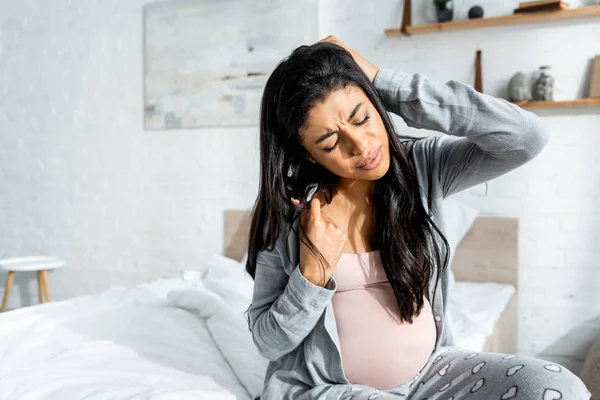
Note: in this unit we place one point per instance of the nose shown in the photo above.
(360, 143)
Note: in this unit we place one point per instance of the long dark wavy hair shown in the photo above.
(405, 233)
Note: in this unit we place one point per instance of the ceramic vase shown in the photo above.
(543, 86)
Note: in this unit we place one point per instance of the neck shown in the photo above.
(356, 193)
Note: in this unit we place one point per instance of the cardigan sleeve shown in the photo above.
(284, 309)
(485, 136)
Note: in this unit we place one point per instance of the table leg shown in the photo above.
(40, 280)
(9, 281)
(46, 285)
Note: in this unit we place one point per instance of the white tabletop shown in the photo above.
(32, 263)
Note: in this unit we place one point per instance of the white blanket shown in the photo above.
(121, 344)
(230, 332)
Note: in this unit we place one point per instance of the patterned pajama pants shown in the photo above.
(453, 373)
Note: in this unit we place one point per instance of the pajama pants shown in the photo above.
(453, 373)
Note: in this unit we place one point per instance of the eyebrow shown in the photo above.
(329, 134)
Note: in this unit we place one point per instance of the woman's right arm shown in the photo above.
(284, 308)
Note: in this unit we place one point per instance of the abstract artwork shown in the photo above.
(206, 61)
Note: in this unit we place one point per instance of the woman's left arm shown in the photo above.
(489, 136)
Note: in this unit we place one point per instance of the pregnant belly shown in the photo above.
(377, 349)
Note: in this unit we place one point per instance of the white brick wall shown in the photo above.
(82, 180)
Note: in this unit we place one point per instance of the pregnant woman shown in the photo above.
(350, 265)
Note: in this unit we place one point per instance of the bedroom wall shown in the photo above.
(82, 180)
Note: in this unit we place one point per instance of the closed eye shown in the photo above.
(361, 123)
(364, 121)
(330, 149)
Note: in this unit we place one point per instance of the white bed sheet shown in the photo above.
(473, 321)
(120, 344)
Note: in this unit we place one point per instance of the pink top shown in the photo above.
(377, 349)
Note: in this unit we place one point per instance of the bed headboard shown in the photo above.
(487, 253)
(237, 229)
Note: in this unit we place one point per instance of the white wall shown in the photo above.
(82, 180)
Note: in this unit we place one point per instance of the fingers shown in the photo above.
(295, 201)
(315, 209)
(329, 38)
(334, 40)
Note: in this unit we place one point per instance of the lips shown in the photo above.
(370, 157)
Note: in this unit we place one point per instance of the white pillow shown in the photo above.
(458, 219)
(227, 278)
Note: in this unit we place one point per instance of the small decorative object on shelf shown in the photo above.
(519, 88)
(543, 87)
(444, 10)
(476, 12)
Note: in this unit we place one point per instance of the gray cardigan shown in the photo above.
(292, 320)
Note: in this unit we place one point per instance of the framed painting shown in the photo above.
(206, 61)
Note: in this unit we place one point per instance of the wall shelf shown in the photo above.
(525, 18)
(560, 104)
(585, 102)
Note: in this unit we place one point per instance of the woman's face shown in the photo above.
(346, 135)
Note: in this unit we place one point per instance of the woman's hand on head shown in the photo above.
(369, 69)
(327, 237)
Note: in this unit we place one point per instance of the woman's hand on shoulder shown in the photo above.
(369, 69)
(327, 237)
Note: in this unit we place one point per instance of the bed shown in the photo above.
(185, 337)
